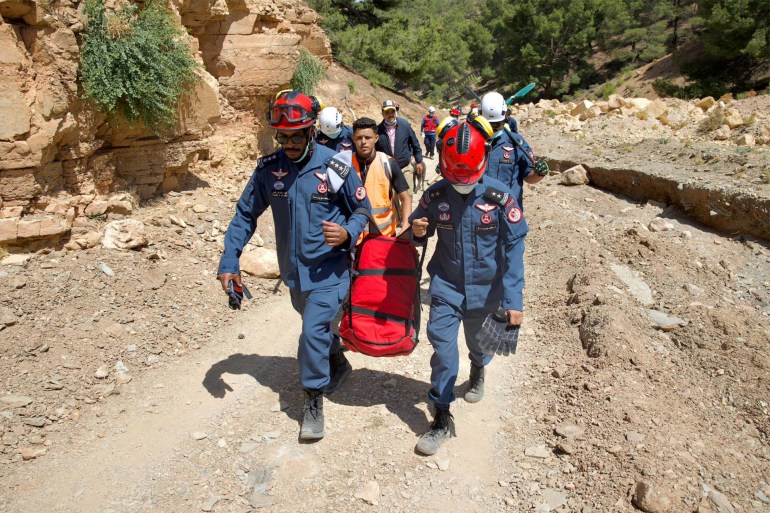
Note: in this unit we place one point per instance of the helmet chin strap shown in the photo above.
(307, 146)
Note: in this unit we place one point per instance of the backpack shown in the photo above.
(381, 316)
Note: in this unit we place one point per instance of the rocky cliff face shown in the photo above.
(62, 162)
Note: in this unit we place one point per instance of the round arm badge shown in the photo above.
(360, 193)
(514, 214)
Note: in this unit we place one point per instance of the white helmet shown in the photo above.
(493, 107)
(331, 122)
(431, 109)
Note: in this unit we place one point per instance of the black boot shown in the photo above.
(313, 416)
(441, 429)
(340, 369)
(475, 385)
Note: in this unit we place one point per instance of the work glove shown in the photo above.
(235, 294)
(496, 336)
(541, 168)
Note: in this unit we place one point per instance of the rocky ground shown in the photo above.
(641, 380)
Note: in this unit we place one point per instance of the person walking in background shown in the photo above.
(428, 129)
(334, 134)
(510, 158)
(315, 228)
(382, 177)
(511, 121)
(477, 267)
(395, 137)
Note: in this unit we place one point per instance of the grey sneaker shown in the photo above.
(475, 385)
(340, 369)
(441, 429)
(313, 419)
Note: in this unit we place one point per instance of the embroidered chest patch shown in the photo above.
(485, 207)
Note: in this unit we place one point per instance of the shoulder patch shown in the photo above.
(339, 167)
(515, 215)
(267, 160)
(496, 196)
(432, 195)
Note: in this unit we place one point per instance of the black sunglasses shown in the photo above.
(295, 139)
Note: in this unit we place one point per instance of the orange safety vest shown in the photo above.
(378, 189)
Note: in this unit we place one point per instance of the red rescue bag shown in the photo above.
(382, 314)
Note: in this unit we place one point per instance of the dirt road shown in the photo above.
(209, 421)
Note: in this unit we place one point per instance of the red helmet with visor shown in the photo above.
(292, 110)
(463, 150)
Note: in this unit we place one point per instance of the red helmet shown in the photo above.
(463, 148)
(454, 113)
(292, 110)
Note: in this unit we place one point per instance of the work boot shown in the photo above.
(441, 429)
(475, 385)
(340, 369)
(313, 416)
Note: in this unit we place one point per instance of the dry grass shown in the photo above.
(714, 120)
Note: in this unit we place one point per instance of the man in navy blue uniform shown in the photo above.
(333, 133)
(313, 200)
(510, 158)
(511, 122)
(477, 268)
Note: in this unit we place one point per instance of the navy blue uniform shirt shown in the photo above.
(479, 257)
(506, 162)
(300, 200)
(342, 142)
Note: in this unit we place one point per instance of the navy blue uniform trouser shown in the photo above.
(318, 308)
(430, 143)
(443, 327)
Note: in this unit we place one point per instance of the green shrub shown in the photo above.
(136, 62)
(607, 89)
(309, 71)
(351, 87)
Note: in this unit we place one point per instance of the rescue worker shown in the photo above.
(474, 110)
(511, 121)
(334, 134)
(428, 129)
(510, 158)
(477, 267)
(382, 177)
(315, 228)
(396, 138)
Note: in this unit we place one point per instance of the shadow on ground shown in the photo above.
(364, 387)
